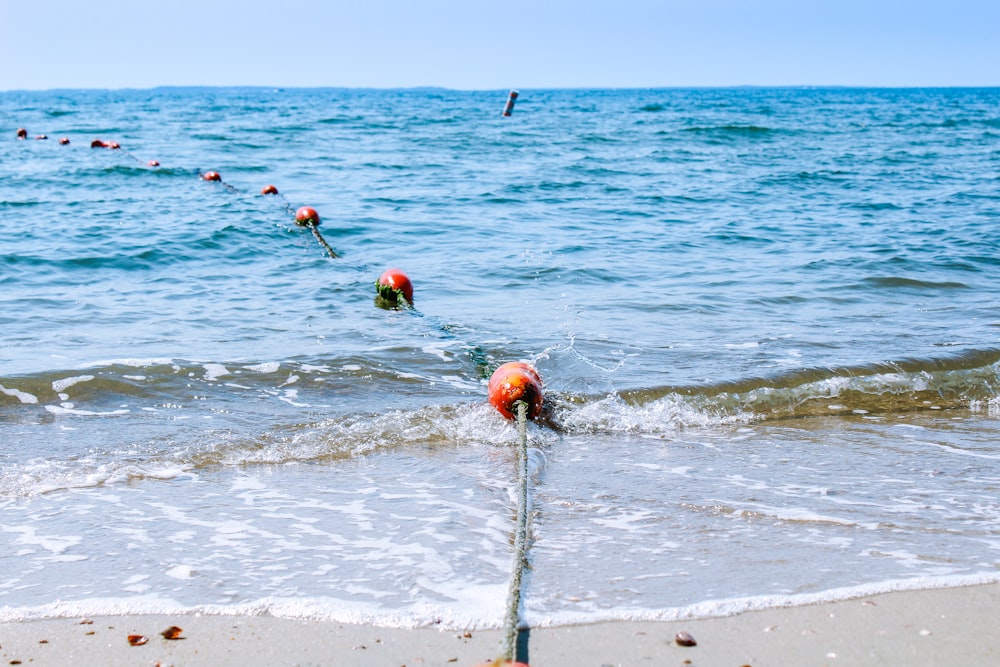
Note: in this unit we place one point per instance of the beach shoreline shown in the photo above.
(942, 626)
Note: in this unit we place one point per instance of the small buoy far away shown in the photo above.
(114, 145)
(211, 176)
(512, 382)
(153, 163)
(64, 141)
(22, 133)
(306, 215)
(269, 190)
(97, 143)
(509, 107)
(393, 286)
(42, 137)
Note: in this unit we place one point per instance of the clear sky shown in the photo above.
(491, 44)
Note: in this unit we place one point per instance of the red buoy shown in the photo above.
(211, 176)
(42, 137)
(153, 163)
(512, 382)
(22, 133)
(394, 285)
(97, 143)
(114, 145)
(64, 141)
(269, 190)
(307, 215)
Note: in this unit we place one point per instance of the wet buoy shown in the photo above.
(114, 145)
(306, 215)
(153, 163)
(211, 176)
(394, 285)
(509, 107)
(22, 133)
(97, 143)
(512, 382)
(269, 190)
(64, 141)
(42, 137)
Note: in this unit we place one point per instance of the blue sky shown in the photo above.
(476, 44)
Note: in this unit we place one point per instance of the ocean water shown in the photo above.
(767, 322)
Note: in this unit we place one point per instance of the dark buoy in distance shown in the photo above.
(211, 176)
(508, 108)
(512, 382)
(306, 215)
(394, 285)
(153, 163)
(269, 190)
(22, 133)
(64, 141)
(97, 143)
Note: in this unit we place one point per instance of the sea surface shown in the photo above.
(767, 321)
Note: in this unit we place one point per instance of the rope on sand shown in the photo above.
(508, 646)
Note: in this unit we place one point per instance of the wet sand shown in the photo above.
(952, 626)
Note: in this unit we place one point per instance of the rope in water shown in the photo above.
(508, 646)
(322, 241)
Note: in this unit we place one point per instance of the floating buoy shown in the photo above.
(153, 163)
(509, 107)
(211, 176)
(97, 143)
(269, 190)
(42, 137)
(64, 141)
(393, 286)
(306, 215)
(512, 382)
(22, 133)
(114, 145)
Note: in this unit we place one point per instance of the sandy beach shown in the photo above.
(954, 626)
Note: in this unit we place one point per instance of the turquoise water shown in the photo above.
(766, 320)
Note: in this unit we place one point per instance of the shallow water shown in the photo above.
(765, 318)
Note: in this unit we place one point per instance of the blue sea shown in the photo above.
(767, 322)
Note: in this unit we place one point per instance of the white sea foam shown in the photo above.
(214, 371)
(739, 605)
(480, 608)
(59, 386)
(266, 367)
(61, 410)
(22, 396)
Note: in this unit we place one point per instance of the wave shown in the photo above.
(970, 379)
(967, 380)
(177, 418)
(473, 613)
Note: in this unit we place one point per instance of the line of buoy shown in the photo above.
(514, 389)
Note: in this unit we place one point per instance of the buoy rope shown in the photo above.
(322, 241)
(508, 645)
